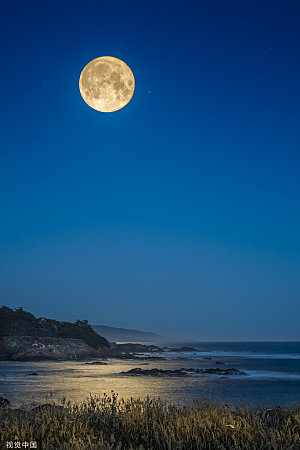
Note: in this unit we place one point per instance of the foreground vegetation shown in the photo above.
(107, 422)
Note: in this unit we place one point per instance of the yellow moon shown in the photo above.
(106, 84)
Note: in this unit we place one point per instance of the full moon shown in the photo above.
(106, 84)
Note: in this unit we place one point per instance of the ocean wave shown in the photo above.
(231, 354)
(272, 374)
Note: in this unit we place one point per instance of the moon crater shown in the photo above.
(106, 84)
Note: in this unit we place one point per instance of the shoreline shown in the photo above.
(177, 376)
(34, 348)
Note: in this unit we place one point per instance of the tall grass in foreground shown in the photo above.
(108, 422)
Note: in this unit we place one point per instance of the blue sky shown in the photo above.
(177, 214)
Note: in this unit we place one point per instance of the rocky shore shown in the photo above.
(32, 348)
(24, 337)
(182, 372)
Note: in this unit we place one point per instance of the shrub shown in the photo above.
(108, 422)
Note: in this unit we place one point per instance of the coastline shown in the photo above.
(34, 348)
(176, 376)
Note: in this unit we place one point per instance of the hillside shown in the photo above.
(126, 335)
(21, 323)
(24, 337)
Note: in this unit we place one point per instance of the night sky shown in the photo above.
(177, 214)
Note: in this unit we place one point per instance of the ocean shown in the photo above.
(273, 376)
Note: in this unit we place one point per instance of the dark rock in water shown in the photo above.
(137, 357)
(31, 374)
(183, 349)
(4, 402)
(182, 372)
(135, 348)
(219, 362)
(207, 357)
(98, 363)
(155, 372)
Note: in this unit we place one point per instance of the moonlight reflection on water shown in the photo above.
(24, 382)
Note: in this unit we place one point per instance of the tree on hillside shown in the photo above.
(22, 323)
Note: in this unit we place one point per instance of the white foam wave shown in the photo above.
(273, 375)
(229, 354)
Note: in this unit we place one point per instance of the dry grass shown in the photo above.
(107, 422)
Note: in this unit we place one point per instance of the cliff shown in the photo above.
(24, 337)
(30, 348)
(21, 323)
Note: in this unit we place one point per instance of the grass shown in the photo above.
(103, 423)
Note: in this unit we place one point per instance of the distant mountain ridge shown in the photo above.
(126, 335)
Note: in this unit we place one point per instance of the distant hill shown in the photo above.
(124, 335)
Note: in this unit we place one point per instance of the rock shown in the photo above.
(137, 357)
(155, 372)
(182, 372)
(4, 402)
(94, 363)
(136, 348)
(31, 374)
(33, 348)
(207, 357)
(219, 362)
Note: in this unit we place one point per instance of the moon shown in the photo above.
(106, 84)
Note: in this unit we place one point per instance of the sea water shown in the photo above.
(273, 376)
